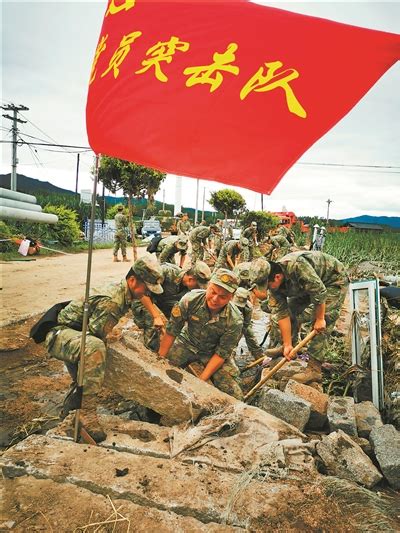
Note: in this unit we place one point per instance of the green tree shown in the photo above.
(136, 181)
(228, 202)
(265, 221)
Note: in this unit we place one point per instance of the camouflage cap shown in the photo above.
(226, 279)
(254, 224)
(120, 207)
(241, 297)
(148, 270)
(259, 272)
(182, 243)
(242, 270)
(244, 241)
(201, 271)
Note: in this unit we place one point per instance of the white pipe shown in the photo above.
(19, 196)
(5, 202)
(31, 216)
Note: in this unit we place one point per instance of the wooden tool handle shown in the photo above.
(281, 363)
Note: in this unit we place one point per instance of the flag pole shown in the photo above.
(81, 368)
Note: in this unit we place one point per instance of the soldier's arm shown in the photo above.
(229, 261)
(104, 317)
(310, 282)
(285, 327)
(174, 326)
(158, 318)
(165, 253)
(182, 259)
(212, 366)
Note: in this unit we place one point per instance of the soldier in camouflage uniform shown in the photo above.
(199, 240)
(150, 313)
(121, 225)
(106, 306)
(279, 246)
(241, 300)
(287, 233)
(250, 233)
(218, 240)
(206, 327)
(230, 253)
(183, 226)
(300, 281)
(168, 247)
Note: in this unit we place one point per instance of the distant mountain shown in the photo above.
(393, 222)
(31, 185)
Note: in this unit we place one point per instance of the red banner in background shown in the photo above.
(229, 91)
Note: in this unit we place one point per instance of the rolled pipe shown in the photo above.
(5, 202)
(25, 215)
(19, 196)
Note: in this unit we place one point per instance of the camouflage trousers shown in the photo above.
(197, 252)
(251, 341)
(64, 343)
(144, 321)
(119, 242)
(226, 379)
(247, 253)
(302, 313)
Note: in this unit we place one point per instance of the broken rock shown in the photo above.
(345, 459)
(341, 414)
(286, 406)
(367, 418)
(386, 443)
(318, 401)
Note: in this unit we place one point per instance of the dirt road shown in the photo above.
(32, 287)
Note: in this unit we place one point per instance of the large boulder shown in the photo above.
(386, 443)
(345, 459)
(286, 406)
(318, 401)
(341, 415)
(367, 418)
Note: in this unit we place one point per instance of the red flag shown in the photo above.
(229, 91)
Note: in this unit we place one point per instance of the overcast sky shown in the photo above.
(47, 51)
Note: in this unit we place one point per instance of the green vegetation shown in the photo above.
(352, 248)
(265, 222)
(228, 202)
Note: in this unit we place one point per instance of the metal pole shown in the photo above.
(204, 199)
(13, 184)
(197, 202)
(77, 173)
(262, 202)
(163, 200)
(81, 368)
(103, 207)
(327, 213)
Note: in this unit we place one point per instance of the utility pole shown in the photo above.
(77, 173)
(163, 199)
(327, 213)
(204, 199)
(197, 202)
(262, 202)
(14, 129)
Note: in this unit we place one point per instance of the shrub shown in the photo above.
(66, 231)
(265, 221)
(6, 232)
(114, 210)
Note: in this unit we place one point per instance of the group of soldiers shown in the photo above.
(191, 313)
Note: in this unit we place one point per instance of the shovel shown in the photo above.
(281, 363)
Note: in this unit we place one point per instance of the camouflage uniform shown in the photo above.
(183, 227)
(229, 248)
(249, 233)
(246, 308)
(168, 247)
(199, 336)
(310, 278)
(121, 223)
(218, 242)
(280, 246)
(173, 291)
(198, 238)
(287, 233)
(107, 305)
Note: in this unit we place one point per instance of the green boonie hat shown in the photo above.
(253, 223)
(201, 271)
(148, 270)
(181, 243)
(244, 241)
(259, 272)
(120, 208)
(226, 279)
(241, 297)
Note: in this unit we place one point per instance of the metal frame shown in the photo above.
(375, 335)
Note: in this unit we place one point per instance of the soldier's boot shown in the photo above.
(71, 401)
(125, 259)
(89, 419)
(312, 373)
(116, 260)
